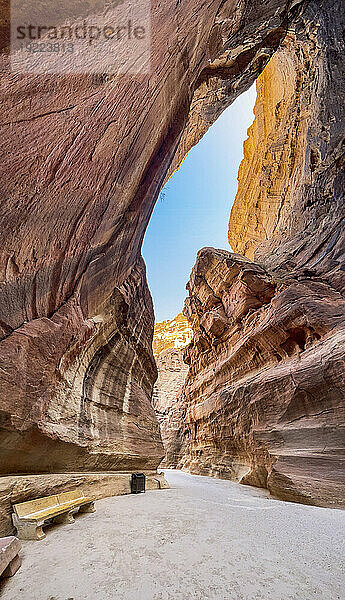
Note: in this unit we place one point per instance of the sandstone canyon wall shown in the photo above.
(264, 397)
(171, 334)
(169, 340)
(83, 160)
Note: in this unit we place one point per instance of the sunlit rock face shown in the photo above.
(272, 174)
(83, 160)
(289, 208)
(171, 334)
(264, 394)
(169, 340)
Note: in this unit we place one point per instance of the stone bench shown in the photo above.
(9, 558)
(29, 517)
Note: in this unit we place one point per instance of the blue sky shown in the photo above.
(194, 207)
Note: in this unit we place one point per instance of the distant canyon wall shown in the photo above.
(166, 401)
(171, 334)
(264, 396)
(169, 340)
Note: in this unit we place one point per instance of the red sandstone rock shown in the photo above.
(83, 161)
(169, 340)
(264, 399)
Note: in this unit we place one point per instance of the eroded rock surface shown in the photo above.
(264, 393)
(83, 160)
(73, 399)
(289, 209)
(170, 411)
(169, 340)
(264, 397)
(171, 334)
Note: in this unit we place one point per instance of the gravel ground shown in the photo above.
(202, 539)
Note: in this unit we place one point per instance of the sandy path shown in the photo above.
(202, 539)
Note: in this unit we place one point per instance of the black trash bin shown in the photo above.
(137, 483)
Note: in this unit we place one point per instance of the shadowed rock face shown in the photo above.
(101, 384)
(264, 397)
(264, 392)
(83, 160)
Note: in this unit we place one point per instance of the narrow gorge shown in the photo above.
(84, 159)
(263, 400)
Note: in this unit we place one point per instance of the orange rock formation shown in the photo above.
(176, 333)
(271, 174)
(169, 340)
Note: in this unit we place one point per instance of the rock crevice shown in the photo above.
(264, 393)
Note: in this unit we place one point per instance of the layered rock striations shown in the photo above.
(289, 209)
(272, 174)
(170, 411)
(264, 397)
(169, 340)
(264, 393)
(100, 376)
(83, 160)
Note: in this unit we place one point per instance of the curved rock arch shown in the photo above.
(84, 159)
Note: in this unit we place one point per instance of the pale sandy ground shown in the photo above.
(202, 539)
